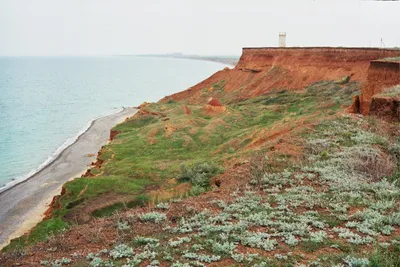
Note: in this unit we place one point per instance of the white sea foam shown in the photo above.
(55, 155)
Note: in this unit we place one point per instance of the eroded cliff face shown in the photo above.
(387, 108)
(261, 70)
(381, 75)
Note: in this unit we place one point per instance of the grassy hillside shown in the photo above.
(282, 179)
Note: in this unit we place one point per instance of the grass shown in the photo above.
(383, 258)
(392, 59)
(391, 92)
(41, 232)
(149, 150)
(335, 198)
(140, 201)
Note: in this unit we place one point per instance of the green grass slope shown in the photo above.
(321, 188)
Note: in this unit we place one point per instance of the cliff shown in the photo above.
(260, 70)
(250, 177)
(381, 75)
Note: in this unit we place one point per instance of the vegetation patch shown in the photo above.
(337, 204)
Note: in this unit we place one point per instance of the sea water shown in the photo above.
(46, 102)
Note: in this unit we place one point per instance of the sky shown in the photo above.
(203, 27)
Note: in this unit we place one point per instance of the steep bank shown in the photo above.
(382, 74)
(260, 70)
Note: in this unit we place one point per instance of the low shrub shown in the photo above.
(154, 217)
(121, 251)
(199, 174)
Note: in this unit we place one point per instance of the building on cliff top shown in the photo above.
(282, 39)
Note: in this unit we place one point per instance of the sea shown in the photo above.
(47, 102)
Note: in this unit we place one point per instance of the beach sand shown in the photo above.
(23, 205)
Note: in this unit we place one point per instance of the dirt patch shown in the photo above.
(387, 108)
(113, 134)
(83, 214)
(187, 110)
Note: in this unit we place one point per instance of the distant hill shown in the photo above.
(230, 60)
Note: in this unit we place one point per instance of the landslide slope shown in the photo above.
(243, 169)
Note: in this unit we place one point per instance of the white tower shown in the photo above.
(282, 39)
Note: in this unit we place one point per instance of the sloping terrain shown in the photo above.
(240, 170)
(261, 70)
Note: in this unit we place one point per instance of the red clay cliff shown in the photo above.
(381, 75)
(261, 70)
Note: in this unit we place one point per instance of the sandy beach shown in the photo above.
(23, 205)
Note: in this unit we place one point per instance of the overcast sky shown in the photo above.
(207, 27)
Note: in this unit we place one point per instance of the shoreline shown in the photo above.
(222, 60)
(54, 156)
(24, 203)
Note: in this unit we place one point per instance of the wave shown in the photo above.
(55, 155)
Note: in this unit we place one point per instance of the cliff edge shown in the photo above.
(382, 74)
(261, 70)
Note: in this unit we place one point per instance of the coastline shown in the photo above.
(54, 156)
(24, 203)
(231, 61)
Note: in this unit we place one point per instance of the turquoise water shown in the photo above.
(46, 102)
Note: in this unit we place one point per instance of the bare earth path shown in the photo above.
(22, 206)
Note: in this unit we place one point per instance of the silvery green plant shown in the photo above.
(90, 256)
(146, 240)
(96, 262)
(123, 226)
(121, 251)
(356, 262)
(291, 240)
(108, 264)
(63, 261)
(237, 257)
(178, 264)
(162, 206)
(223, 248)
(181, 240)
(258, 240)
(318, 237)
(201, 257)
(140, 257)
(154, 217)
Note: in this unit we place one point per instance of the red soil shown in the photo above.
(113, 134)
(214, 106)
(262, 69)
(187, 110)
(387, 108)
(381, 75)
(214, 102)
